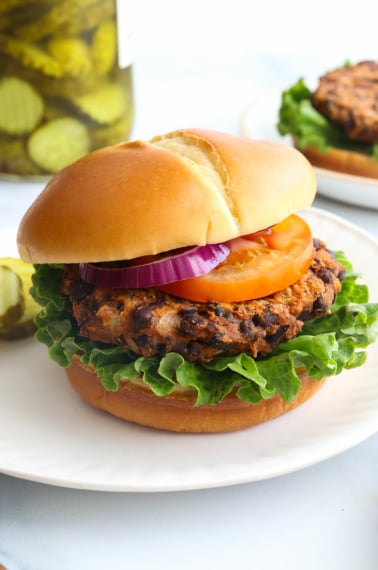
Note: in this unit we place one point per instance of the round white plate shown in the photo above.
(259, 122)
(48, 434)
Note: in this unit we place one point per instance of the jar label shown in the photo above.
(125, 29)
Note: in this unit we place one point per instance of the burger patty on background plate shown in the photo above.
(349, 97)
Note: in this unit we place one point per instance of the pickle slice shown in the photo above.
(112, 134)
(105, 105)
(58, 15)
(88, 17)
(24, 326)
(13, 157)
(104, 47)
(30, 56)
(73, 54)
(21, 329)
(58, 143)
(11, 298)
(25, 272)
(21, 107)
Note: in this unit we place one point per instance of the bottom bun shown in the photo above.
(344, 161)
(136, 403)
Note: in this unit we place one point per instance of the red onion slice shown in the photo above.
(185, 265)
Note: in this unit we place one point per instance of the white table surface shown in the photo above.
(324, 516)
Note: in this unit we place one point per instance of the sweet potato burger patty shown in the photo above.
(150, 322)
(348, 96)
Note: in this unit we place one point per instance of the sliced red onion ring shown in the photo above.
(185, 265)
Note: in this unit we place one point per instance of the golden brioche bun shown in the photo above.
(344, 161)
(188, 187)
(135, 403)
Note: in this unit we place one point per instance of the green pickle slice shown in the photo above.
(104, 47)
(23, 325)
(58, 143)
(58, 14)
(73, 54)
(105, 105)
(21, 107)
(14, 159)
(111, 134)
(11, 298)
(31, 56)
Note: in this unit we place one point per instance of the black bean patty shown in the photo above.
(348, 96)
(150, 322)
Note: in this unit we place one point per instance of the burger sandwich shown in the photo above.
(180, 289)
(336, 125)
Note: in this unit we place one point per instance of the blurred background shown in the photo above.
(206, 52)
(64, 92)
(198, 64)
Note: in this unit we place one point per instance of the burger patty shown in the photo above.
(150, 322)
(348, 96)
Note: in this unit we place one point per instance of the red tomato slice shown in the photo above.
(259, 264)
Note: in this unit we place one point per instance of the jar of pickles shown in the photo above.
(65, 82)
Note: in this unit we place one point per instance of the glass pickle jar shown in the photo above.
(65, 82)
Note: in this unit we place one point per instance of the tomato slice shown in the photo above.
(259, 264)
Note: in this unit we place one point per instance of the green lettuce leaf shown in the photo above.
(325, 347)
(297, 117)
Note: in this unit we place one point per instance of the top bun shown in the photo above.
(187, 187)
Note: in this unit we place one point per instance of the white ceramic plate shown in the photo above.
(259, 122)
(48, 434)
